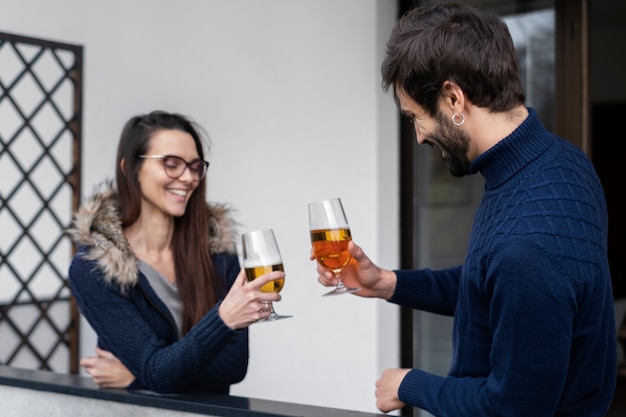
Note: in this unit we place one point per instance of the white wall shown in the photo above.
(290, 94)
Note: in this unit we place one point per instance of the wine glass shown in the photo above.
(330, 234)
(261, 256)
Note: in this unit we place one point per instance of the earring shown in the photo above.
(454, 116)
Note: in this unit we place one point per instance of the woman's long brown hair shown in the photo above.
(196, 276)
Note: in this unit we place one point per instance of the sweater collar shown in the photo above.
(502, 161)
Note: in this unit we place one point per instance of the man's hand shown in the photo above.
(387, 389)
(362, 273)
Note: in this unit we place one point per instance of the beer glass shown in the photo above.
(261, 256)
(330, 234)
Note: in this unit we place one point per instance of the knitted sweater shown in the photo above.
(133, 323)
(534, 332)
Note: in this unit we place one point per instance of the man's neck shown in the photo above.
(486, 128)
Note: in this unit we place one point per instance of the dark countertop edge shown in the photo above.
(215, 405)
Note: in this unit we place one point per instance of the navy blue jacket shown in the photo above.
(135, 325)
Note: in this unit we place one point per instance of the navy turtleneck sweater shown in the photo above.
(534, 328)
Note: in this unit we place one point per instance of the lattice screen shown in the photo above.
(40, 131)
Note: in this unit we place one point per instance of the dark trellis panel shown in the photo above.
(40, 138)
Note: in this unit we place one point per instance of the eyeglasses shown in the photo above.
(175, 166)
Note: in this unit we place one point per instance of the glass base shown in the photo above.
(341, 291)
(274, 317)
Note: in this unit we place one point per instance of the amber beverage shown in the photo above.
(331, 247)
(273, 286)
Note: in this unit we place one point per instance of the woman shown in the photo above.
(156, 273)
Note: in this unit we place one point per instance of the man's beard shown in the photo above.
(454, 144)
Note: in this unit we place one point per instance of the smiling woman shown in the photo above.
(164, 323)
(164, 176)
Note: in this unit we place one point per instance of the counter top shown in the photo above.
(212, 405)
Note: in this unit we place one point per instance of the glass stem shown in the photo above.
(273, 314)
(339, 280)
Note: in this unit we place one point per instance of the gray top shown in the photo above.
(168, 293)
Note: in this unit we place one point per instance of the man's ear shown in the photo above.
(453, 96)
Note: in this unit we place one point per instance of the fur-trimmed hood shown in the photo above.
(97, 226)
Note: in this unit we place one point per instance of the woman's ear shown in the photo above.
(122, 167)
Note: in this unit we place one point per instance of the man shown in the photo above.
(533, 313)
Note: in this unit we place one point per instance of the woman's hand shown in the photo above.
(361, 273)
(106, 370)
(244, 303)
